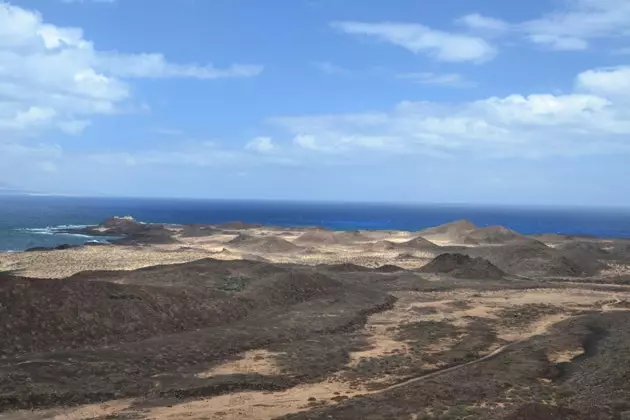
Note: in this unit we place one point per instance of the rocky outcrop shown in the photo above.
(463, 266)
(266, 244)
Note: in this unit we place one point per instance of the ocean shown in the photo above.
(31, 221)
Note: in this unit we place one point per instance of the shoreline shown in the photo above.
(139, 244)
(95, 234)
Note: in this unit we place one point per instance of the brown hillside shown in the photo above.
(264, 244)
(463, 266)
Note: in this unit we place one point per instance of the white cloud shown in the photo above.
(199, 154)
(336, 143)
(592, 120)
(444, 79)
(330, 68)
(261, 144)
(171, 132)
(559, 43)
(73, 127)
(156, 66)
(52, 78)
(307, 142)
(614, 81)
(572, 27)
(441, 45)
(48, 167)
(478, 22)
(19, 160)
(579, 22)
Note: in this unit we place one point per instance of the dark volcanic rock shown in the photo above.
(105, 335)
(265, 244)
(419, 243)
(123, 225)
(97, 243)
(129, 231)
(536, 259)
(463, 266)
(153, 235)
(197, 231)
(389, 268)
(55, 248)
(344, 268)
(38, 249)
(495, 235)
(584, 250)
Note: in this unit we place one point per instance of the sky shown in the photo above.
(475, 101)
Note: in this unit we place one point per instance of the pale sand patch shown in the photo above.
(569, 298)
(59, 264)
(615, 269)
(254, 361)
(389, 235)
(381, 344)
(444, 240)
(334, 255)
(257, 405)
(83, 412)
(565, 356)
(537, 328)
(95, 410)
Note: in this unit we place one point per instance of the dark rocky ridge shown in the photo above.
(536, 259)
(105, 335)
(128, 231)
(418, 243)
(263, 244)
(463, 266)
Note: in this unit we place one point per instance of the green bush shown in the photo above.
(234, 284)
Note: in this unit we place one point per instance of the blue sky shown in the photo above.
(477, 101)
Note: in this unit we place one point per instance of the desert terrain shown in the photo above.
(241, 321)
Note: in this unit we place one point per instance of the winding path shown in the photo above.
(492, 355)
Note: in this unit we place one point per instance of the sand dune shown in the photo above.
(318, 237)
(453, 229)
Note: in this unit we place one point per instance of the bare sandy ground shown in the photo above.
(63, 263)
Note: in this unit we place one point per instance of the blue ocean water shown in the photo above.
(26, 221)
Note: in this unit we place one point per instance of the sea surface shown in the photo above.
(32, 221)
